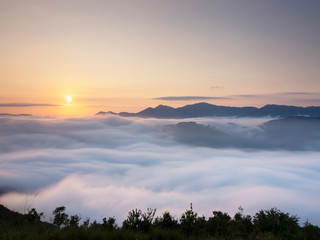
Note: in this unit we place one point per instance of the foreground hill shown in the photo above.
(17, 226)
(210, 110)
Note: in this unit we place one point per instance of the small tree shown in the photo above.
(34, 216)
(166, 221)
(147, 218)
(218, 225)
(60, 217)
(137, 220)
(276, 222)
(86, 223)
(74, 221)
(241, 225)
(310, 232)
(133, 220)
(110, 223)
(188, 220)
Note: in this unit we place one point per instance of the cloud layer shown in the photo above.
(106, 166)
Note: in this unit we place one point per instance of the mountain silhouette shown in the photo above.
(209, 110)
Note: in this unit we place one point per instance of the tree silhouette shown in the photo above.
(276, 222)
(109, 224)
(310, 232)
(166, 221)
(133, 220)
(60, 217)
(218, 225)
(137, 220)
(34, 216)
(74, 221)
(241, 225)
(147, 219)
(188, 220)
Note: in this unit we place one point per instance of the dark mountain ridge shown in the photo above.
(209, 110)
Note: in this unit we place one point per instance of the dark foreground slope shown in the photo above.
(210, 110)
(264, 225)
(15, 226)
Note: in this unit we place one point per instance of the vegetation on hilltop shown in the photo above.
(270, 224)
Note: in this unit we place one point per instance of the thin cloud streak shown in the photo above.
(281, 94)
(28, 105)
(283, 98)
(300, 93)
(217, 87)
(188, 98)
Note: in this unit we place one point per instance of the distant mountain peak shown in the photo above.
(109, 112)
(163, 106)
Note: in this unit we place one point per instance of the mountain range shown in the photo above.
(209, 110)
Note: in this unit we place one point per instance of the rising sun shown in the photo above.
(69, 99)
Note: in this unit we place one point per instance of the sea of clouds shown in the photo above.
(106, 166)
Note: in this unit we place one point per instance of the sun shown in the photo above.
(69, 99)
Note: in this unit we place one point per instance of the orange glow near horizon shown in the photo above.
(86, 106)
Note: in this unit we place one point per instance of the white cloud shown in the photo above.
(101, 167)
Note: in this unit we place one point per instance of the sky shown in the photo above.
(125, 55)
